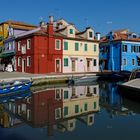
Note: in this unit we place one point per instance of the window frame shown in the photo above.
(28, 44)
(19, 61)
(57, 40)
(19, 45)
(28, 63)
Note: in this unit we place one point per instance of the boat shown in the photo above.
(84, 79)
(12, 86)
(15, 96)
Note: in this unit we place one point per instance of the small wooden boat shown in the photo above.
(11, 86)
(84, 79)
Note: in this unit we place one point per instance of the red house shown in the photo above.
(39, 51)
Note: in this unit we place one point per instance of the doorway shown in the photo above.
(23, 65)
(57, 66)
(73, 65)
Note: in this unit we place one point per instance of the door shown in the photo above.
(23, 65)
(57, 66)
(88, 65)
(73, 65)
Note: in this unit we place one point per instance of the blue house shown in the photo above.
(120, 50)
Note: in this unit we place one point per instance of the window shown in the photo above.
(94, 62)
(57, 94)
(23, 49)
(124, 49)
(19, 45)
(94, 90)
(71, 125)
(71, 31)
(57, 44)
(76, 46)
(85, 47)
(124, 61)
(95, 48)
(138, 48)
(90, 34)
(9, 46)
(65, 45)
(91, 119)
(65, 111)
(66, 94)
(28, 61)
(85, 106)
(66, 62)
(94, 105)
(58, 113)
(19, 61)
(76, 108)
(133, 61)
(28, 43)
(132, 48)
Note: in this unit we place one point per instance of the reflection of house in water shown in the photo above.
(77, 101)
(111, 100)
(58, 108)
(8, 120)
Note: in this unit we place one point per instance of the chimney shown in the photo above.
(42, 23)
(51, 19)
(98, 36)
(50, 26)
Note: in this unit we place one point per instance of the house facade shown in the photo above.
(39, 51)
(10, 30)
(120, 50)
(80, 49)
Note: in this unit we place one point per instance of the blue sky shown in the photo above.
(102, 15)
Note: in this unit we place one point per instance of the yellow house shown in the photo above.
(80, 49)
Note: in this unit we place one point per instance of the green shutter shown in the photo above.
(65, 110)
(76, 46)
(86, 47)
(71, 31)
(66, 94)
(85, 106)
(65, 45)
(95, 48)
(94, 105)
(76, 108)
(65, 62)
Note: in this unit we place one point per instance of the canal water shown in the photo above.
(95, 111)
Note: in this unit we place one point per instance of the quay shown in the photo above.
(130, 89)
(40, 79)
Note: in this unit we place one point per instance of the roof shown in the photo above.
(17, 23)
(121, 35)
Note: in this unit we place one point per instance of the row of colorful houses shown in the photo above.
(59, 47)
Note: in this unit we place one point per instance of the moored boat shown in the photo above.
(11, 86)
(84, 79)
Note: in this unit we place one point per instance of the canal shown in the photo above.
(95, 111)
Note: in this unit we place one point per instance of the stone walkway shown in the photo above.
(16, 75)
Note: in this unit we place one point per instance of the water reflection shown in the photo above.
(113, 102)
(56, 108)
(66, 109)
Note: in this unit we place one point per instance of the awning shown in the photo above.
(4, 55)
